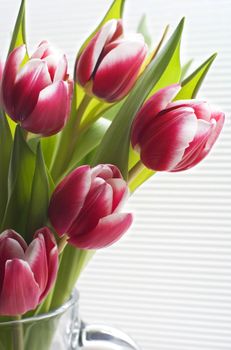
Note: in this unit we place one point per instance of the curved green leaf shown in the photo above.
(185, 69)
(19, 33)
(88, 141)
(5, 151)
(191, 85)
(39, 201)
(143, 29)
(114, 147)
(49, 145)
(21, 172)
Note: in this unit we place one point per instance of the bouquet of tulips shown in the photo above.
(73, 148)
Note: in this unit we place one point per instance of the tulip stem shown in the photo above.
(81, 110)
(68, 141)
(18, 337)
(138, 167)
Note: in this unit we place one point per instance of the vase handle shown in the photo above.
(97, 337)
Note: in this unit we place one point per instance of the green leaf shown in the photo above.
(73, 261)
(143, 29)
(19, 33)
(21, 172)
(115, 11)
(5, 151)
(171, 74)
(114, 147)
(191, 85)
(185, 69)
(49, 148)
(39, 201)
(88, 141)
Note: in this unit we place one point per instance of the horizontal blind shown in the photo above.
(167, 282)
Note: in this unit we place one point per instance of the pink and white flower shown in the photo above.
(37, 94)
(174, 136)
(86, 207)
(109, 65)
(27, 273)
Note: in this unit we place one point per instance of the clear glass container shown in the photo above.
(62, 329)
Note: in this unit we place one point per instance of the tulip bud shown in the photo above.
(174, 136)
(27, 273)
(37, 94)
(86, 207)
(109, 65)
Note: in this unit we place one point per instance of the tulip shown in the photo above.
(174, 136)
(27, 273)
(86, 207)
(109, 65)
(37, 94)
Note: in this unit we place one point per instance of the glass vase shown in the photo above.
(62, 329)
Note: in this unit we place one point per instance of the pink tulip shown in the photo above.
(37, 94)
(109, 65)
(174, 136)
(27, 273)
(86, 207)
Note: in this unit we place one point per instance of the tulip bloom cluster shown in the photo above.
(27, 273)
(85, 206)
(175, 136)
(37, 95)
(109, 65)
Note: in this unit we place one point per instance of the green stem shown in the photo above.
(138, 167)
(18, 336)
(68, 140)
(72, 264)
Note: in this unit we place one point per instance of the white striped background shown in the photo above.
(168, 282)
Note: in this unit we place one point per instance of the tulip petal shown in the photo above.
(98, 204)
(20, 292)
(120, 192)
(204, 145)
(61, 69)
(195, 147)
(52, 258)
(219, 117)
(201, 109)
(108, 231)
(154, 105)
(52, 62)
(101, 170)
(9, 249)
(89, 57)
(37, 259)
(14, 235)
(118, 70)
(43, 50)
(50, 113)
(31, 79)
(68, 198)
(165, 141)
(9, 75)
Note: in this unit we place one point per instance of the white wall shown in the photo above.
(168, 282)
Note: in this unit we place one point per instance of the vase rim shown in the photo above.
(74, 298)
